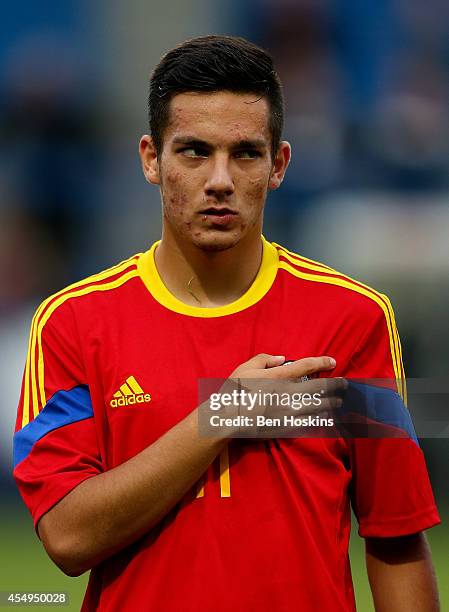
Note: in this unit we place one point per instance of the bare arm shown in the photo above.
(401, 574)
(109, 511)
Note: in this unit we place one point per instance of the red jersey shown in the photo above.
(114, 362)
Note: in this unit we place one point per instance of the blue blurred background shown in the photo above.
(367, 94)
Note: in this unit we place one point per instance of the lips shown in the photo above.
(219, 217)
(218, 212)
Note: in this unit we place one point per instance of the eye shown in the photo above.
(247, 154)
(194, 152)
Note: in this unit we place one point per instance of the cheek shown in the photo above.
(256, 190)
(175, 203)
(174, 193)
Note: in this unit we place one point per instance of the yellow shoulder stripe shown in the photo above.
(307, 263)
(38, 322)
(372, 292)
(310, 264)
(380, 299)
(291, 255)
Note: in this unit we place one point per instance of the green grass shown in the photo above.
(438, 538)
(26, 567)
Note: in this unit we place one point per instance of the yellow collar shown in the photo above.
(261, 285)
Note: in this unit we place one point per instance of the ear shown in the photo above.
(280, 165)
(148, 157)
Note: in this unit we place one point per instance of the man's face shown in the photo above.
(215, 168)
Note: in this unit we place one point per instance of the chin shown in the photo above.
(215, 243)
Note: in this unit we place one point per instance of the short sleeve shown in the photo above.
(390, 489)
(55, 440)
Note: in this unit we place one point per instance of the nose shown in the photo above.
(219, 181)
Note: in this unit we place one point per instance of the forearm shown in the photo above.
(107, 512)
(401, 574)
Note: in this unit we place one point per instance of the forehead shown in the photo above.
(223, 115)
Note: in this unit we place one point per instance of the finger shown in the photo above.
(303, 367)
(274, 361)
(264, 360)
(327, 404)
(317, 387)
(331, 386)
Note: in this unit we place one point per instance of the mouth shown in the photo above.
(218, 217)
(217, 212)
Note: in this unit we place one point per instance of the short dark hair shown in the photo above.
(211, 64)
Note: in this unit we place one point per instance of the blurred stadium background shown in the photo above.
(367, 93)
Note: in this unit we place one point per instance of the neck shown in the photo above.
(208, 278)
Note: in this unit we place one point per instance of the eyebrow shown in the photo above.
(257, 143)
(190, 140)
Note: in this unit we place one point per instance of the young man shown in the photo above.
(107, 451)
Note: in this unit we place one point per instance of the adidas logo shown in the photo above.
(130, 393)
